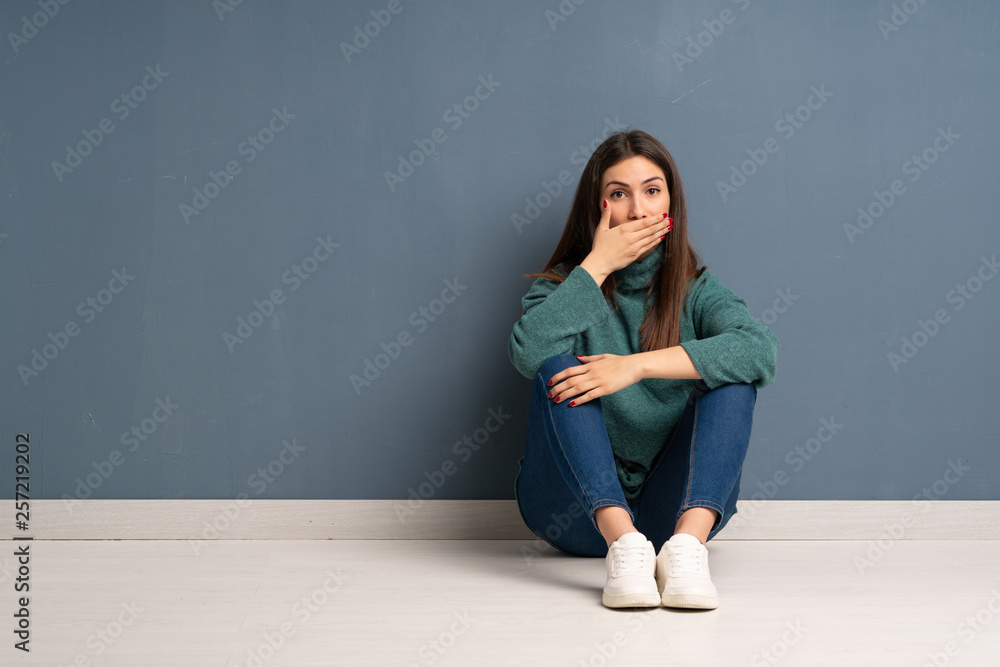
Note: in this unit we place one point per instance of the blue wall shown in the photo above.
(214, 222)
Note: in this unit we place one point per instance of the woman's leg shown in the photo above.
(690, 494)
(700, 467)
(568, 471)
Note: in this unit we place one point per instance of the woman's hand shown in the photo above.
(599, 375)
(616, 247)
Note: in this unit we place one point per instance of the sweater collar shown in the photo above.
(636, 275)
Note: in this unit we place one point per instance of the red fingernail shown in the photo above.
(664, 215)
(663, 237)
(549, 394)
(558, 399)
(550, 383)
(572, 403)
(669, 227)
(605, 203)
(670, 219)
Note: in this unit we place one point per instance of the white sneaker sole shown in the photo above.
(621, 600)
(689, 601)
(681, 600)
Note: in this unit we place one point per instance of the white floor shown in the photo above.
(505, 602)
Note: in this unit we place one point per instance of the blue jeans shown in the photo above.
(568, 469)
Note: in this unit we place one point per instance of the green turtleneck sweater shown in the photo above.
(725, 344)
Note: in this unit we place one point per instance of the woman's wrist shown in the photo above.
(642, 367)
(591, 266)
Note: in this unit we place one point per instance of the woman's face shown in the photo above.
(635, 188)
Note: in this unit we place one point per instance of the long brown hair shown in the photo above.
(661, 326)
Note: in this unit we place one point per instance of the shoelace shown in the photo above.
(629, 560)
(688, 561)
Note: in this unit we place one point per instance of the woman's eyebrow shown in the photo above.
(625, 185)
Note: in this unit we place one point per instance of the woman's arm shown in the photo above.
(669, 362)
(553, 317)
(731, 346)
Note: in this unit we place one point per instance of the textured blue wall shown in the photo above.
(254, 250)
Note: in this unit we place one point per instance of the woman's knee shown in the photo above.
(554, 364)
(737, 395)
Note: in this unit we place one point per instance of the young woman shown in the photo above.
(646, 371)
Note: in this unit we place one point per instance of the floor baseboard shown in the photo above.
(252, 519)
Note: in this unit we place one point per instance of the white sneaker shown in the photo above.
(631, 563)
(682, 575)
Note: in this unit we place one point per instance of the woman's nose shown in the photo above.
(635, 210)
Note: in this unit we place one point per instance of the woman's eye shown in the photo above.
(654, 191)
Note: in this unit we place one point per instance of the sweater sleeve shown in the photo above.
(731, 346)
(552, 318)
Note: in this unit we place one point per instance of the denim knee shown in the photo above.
(556, 363)
(740, 395)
